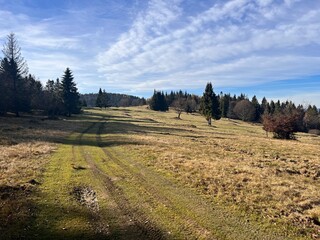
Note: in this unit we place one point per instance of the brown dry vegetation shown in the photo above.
(233, 162)
(25, 145)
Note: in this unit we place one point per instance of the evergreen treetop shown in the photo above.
(70, 93)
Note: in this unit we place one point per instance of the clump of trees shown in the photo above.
(21, 92)
(184, 101)
(113, 99)
(158, 102)
(282, 119)
(102, 99)
(179, 101)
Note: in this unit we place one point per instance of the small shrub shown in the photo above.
(283, 126)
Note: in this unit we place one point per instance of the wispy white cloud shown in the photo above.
(138, 46)
(240, 42)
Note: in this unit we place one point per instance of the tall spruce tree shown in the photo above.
(13, 71)
(99, 99)
(70, 95)
(257, 107)
(210, 104)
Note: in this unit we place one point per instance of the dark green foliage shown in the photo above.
(70, 95)
(191, 101)
(257, 107)
(35, 92)
(13, 69)
(99, 99)
(272, 107)
(53, 98)
(114, 100)
(265, 107)
(5, 100)
(158, 102)
(84, 103)
(102, 99)
(209, 107)
(288, 119)
(224, 104)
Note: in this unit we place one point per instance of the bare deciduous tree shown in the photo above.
(245, 110)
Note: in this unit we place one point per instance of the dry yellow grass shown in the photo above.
(25, 147)
(232, 162)
(25, 144)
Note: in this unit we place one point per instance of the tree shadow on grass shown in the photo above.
(32, 128)
(24, 217)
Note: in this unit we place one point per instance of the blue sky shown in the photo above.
(264, 47)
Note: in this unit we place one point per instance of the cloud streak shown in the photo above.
(137, 46)
(237, 43)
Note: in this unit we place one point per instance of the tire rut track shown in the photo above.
(139, 225)
(190, 223)
(197, 213)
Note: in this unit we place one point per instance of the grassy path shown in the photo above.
(124, 199)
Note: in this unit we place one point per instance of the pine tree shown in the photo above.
(13, 70)
(210, 104)
(99, 99)
(264, 106)
(224, 104)
(70, 94)
(257, 107)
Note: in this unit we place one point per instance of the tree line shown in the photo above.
(103, 98)
(21, 92)
(282, 119)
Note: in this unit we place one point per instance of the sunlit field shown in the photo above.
(148, 174)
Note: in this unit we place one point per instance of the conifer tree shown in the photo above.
(264, 106)
(99, 99)
(257, 107)
(13, 70)
(104, 99)
(210, 104)
(70, 95)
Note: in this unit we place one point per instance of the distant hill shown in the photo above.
(114, 100)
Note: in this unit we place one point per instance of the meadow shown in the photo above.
(132, 173)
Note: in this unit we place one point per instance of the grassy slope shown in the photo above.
(157, 177)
